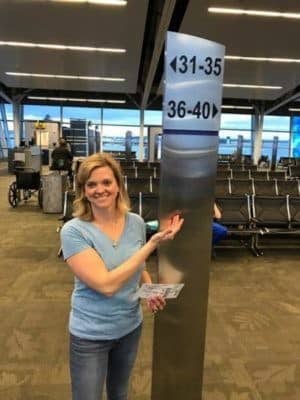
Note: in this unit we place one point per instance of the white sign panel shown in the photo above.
(193, 83)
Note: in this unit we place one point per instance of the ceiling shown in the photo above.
(140, 28)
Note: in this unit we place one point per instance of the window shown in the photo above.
(276, 126)
(233, 126)
(89, 114)
(113, 116)
(152, 117)
(35, 113)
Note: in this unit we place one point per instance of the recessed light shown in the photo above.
(266, 59)
(235, 85)
(76, 99)
(91, 78)
(61, 47)
(239, 107)
(98, 2)
(257, 13)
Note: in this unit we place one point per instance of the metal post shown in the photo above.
(192, 105)
(274, 153)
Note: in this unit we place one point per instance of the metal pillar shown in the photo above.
(239, 148)
(17, 112)
(128, 144)
(257, 123)
(141, 141)
(192, 104)
(274, 153)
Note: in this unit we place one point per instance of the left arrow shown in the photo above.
(173, 64)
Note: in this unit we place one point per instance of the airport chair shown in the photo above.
(224, 174)
(294, 209)
(265, 188)
(235, 210)
(294, 171)
(236, 216)
(136, 185)
(238, 174)
(223, 166)
(270, 211)
(149, 207)
(280, 175)
(130, 172)
(240, 187)
(290, 187)
(260, 175)
(144, 172)
(136, 203)
(222, 187)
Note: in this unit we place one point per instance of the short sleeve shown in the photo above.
(72, 241)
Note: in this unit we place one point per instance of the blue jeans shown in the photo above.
(95, 362)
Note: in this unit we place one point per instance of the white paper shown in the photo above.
(168, 291)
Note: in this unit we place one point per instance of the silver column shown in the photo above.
(274, 153)
(239, 148)
(192, 104)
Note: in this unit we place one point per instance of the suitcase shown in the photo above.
(54, 186)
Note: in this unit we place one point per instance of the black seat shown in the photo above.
(270, 211)
(149, 207)
(238, 174)
(265, 188)
(240, 187)
(277, 175)
(235, 210)
(290, 187)
(222, 187)
(136, 185)
(294, 171)
(294, 208)
(136, 203)
(145, 172)
(260, 175)
(223, 174)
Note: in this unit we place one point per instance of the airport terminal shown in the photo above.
(163, 133)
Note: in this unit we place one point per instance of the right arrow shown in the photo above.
(214, 110)
(173, 64)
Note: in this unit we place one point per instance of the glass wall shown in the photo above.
(40, 113)
(295, 132)
(232, 126)
(116, 122)
(276, 126)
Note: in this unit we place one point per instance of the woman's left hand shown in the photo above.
(155, 303)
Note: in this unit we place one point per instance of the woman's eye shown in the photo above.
(107, 182)
(90, 184)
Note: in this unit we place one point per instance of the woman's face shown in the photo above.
(101, 188)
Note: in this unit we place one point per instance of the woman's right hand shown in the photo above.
(171, 227)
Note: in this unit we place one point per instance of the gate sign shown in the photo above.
(194, 71)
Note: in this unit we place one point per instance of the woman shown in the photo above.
(219, 232)
(106, 250)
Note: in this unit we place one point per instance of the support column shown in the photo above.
(257, 123)
(192, 110)
(141, 141)
(17, 113)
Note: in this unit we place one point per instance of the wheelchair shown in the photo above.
(27, 183)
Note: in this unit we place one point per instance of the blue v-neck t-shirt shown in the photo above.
(93, 315)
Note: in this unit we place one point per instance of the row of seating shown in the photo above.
(260, 211)
(144, 185)
(262, 175)
(273, 187)
(259, 222)
(135, 172)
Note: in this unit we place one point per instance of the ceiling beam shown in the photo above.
(283, 100)
(159, 42)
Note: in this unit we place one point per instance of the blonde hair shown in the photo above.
(82, 207)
